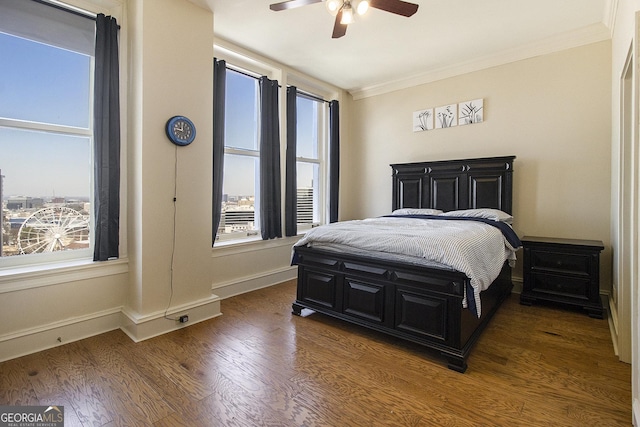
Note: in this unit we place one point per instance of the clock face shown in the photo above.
(181, 130)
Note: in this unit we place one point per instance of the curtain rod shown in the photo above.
(244, 73)
(77, 12)
(312, 96)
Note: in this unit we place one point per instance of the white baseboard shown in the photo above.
(255, 282)
(32, 340)
(612, 318)
(138, 328)
(142, 327)
(636, 412)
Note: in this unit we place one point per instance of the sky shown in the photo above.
(50, 85)
(46, 84)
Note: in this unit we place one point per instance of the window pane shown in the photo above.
(308, 208)
(46, 187)
(307, 128)
(42, 83)
(239, 189)
(241, 111)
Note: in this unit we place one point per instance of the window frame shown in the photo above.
(54, 268)
(322, 161)
(72, 131)
(254, 234)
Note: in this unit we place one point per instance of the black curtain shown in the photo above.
(334, 159)
(290, 186)
(106, 139)
(219, 91)
(270, 199)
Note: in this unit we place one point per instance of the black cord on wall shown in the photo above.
(173, 244)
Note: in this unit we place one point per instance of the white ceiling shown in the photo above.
(382, 51)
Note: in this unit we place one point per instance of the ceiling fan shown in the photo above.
(344, 9)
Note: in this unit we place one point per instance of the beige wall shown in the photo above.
(625, 309)
(552, 112)
(172, 46)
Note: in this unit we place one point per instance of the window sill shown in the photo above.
(235, 242)
(232, 247)
(34, 276)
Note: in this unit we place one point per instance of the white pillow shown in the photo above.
(416, 211)
(493, 214)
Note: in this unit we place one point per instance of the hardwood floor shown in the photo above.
(259, 365)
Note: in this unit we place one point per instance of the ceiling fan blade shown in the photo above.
(290, 4)
(339, 29)
(398, 7)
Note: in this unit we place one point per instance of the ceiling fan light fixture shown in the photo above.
(347, 13)
(362, 7)
(333, 6)
(344, 10)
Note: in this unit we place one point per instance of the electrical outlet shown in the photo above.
(184, 318)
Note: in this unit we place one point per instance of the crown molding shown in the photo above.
(587, 35)
(609, 15)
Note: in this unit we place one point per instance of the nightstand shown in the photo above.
(565, 271)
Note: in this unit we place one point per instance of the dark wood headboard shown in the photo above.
(454, 184)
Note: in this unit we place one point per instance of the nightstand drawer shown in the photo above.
(570, 286)
(561, 262)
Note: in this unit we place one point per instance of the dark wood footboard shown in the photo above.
(418, 304)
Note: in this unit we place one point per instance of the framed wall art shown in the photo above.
(470, 112)
(423, 120)
(446, 116)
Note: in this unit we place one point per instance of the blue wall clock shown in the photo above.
(180, 130)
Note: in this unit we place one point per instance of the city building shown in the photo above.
(305, 206)
(15, 203)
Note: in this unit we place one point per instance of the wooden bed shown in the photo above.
(419, 304)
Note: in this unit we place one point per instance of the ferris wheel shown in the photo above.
(53, 229)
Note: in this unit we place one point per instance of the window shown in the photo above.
(240, 198)
(45, 133)
(310, 134)
(240, 215)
